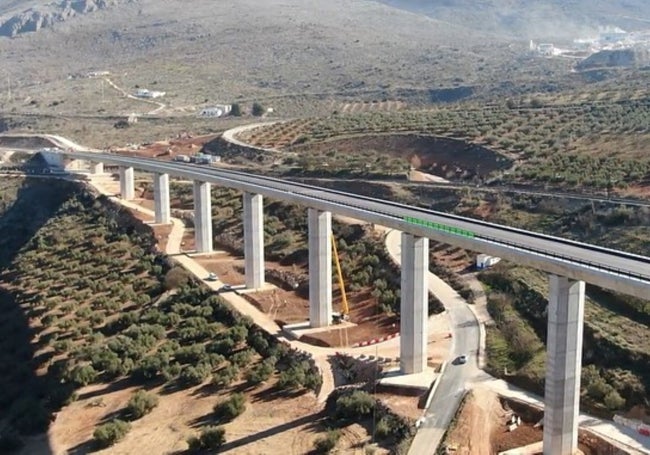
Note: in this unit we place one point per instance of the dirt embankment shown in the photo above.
(440, 156)
(482, 427)
(30, 142)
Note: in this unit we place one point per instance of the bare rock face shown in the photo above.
(37, 18)
(618, 58)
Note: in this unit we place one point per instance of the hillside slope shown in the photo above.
(533, 19)
(250, 46)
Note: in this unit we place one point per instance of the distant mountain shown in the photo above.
(533, 18)
(231, 50)
(263, 45)
(14, 21)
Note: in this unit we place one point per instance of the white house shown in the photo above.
(219, 110)
(144, 93)
(484, 261)
(546, 49)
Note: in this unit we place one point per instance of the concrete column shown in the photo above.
(254, 240)
(202, 217)
(414, 304)
(161, 198)
(127, 185)
(96, 168)
(563, 365)
(320, 268)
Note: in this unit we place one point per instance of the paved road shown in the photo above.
(503, 189)
(231, 135)
(452, 382)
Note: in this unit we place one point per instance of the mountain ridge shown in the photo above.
(48, 15)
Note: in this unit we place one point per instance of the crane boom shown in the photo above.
(345, 310)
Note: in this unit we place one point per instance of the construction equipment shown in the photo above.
(345, 310)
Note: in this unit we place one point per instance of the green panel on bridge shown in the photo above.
(439, 227)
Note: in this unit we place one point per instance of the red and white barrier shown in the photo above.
(376, 340)
(640, 427)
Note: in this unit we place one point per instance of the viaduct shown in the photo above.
(569, 264)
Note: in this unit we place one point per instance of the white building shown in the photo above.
(610, 35)
(144, 93)
(484, 261)
(219, 110)
(546, 49)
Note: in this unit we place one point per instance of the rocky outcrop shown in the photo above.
(37, 18)
(618, 58)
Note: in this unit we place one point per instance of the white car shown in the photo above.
(461, 359)
(212, 277)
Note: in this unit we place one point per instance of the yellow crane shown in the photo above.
(345, 310)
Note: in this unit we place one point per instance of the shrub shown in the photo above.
(176, 278)
(327, 443)
(190, 354)
(235, 110)
(257, 341)
(212, 438)
(242, 358)
(82, 375)
(194, 444)
(292, 379)
(108, 434)
(231, 408)
(614, 401)
(385, 427)
(224, 346)
(261, 372)
(313, 380)
(141, 404)
(257, 110)
(152, 366)
(194, 375)
(225, 376)
(357, 404)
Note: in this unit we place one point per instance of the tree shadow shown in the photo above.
(314, 421)
(276, 393)
(114, 386)
(83, 448)
(27, 399)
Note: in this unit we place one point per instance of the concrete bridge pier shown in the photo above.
(414, 304)
(161, 198)
(320, 267)
(563, 365)
(202, 217)
(127, 184)
(96, 168)
(254, 240)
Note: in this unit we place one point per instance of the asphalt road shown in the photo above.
(451, 387)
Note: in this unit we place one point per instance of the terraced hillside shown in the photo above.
(594, 143)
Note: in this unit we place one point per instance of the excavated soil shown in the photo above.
(439, 156)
